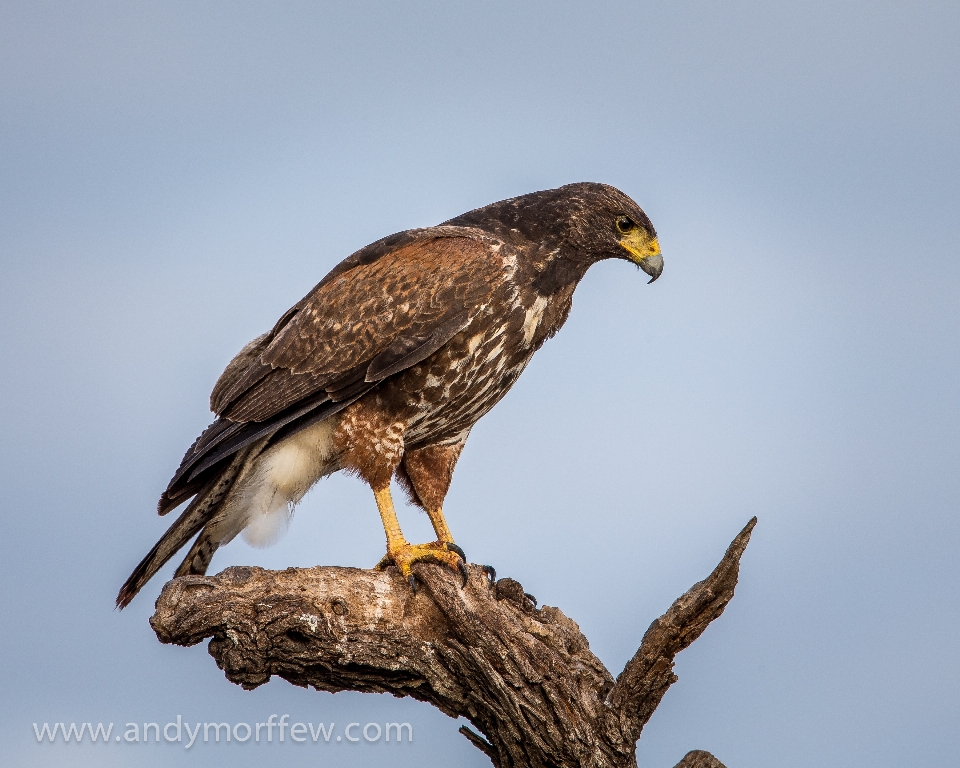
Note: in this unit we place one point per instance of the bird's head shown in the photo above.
(603, 223)
(577, 223)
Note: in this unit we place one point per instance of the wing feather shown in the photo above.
(408, 299)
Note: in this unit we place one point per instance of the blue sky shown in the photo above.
(174, 176)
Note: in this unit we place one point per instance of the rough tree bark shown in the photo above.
(524, 677)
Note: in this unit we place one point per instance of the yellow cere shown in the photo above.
(639, 245)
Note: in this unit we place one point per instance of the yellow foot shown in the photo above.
(442, 553)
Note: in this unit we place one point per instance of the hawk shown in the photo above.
(385, 366)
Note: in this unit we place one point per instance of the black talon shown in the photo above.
(463, 571)
(531, 598)
(413, 582)
(491, 572)
(454, 548)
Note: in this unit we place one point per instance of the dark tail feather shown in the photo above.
(198, 558)
(203, 507)
(186, 526)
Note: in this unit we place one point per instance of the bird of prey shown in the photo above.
(385, 366)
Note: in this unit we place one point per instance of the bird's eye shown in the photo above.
(625, 224)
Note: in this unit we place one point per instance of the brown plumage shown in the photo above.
(384, 367)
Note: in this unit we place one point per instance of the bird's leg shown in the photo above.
(403, 554)
(425, 474)
(444, 536)
(388, 515)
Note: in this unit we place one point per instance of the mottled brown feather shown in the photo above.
(347, 322)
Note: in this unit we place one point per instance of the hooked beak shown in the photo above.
(653, 266)
(644, 252)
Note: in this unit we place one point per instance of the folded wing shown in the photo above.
(379, 312)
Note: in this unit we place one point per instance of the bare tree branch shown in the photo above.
(524, 677)
(649, 673)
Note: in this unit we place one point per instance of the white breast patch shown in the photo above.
(532, 319)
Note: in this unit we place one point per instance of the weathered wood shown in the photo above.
(699, 759)
(524, 677)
